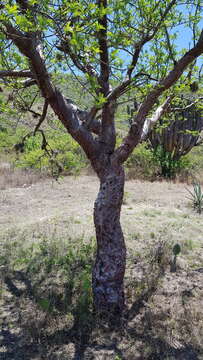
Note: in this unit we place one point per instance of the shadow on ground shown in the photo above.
(25, 335)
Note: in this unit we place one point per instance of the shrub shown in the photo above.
(169, 165)
(141, 163)
(9, 137)
(61, 154)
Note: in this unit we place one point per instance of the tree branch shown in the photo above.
(76, 59)
(120, 89)
(107, 138)
(135, 132)
(188, 106)
(16, 74)
(87, 119)
(146, 38)
(29, 45)
(28, 83)
(169, 45)
(123, 87)
(67, 113)
(43, 116)
(150, 123)
(104, 56)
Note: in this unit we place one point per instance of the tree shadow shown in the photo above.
(10, 350)
(81, 332)
(145, 295)
(161, 349)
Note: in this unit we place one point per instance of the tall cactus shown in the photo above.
(178, 138)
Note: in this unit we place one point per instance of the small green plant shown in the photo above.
(125, 198)
(197, 197)
(176, 252)
(45, 304)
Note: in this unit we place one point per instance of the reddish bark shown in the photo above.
(109, 268)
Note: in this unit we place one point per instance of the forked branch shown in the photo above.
(138, 46)
(135, 132)
(30, 45)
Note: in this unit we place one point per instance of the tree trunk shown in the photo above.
(109, 268)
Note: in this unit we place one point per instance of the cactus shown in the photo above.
(176, 252)
(176, 139)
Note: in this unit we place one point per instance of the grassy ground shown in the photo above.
(47, 246)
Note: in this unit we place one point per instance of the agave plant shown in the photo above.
(197, 197)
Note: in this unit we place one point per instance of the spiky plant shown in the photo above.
(197, 197)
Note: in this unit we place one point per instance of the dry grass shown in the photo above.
(10, 177)
(47, 248)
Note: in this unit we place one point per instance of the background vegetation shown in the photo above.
(64, 156)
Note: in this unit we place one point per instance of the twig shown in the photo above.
(43, 116)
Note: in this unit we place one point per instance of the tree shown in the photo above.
(118, 46)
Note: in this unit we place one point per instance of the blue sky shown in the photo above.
(184, 39)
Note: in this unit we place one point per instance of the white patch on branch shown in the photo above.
(150, 122)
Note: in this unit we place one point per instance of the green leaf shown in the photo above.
(68, 28)
(12, 10)
(101, 99)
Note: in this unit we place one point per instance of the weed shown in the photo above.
(151, 212)
(125, 198)
(189, 244)
(135, 236)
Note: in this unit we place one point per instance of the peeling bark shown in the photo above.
(109, 268)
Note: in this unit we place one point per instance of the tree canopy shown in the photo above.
(111, 47)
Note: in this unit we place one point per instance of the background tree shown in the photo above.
(117, 46)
